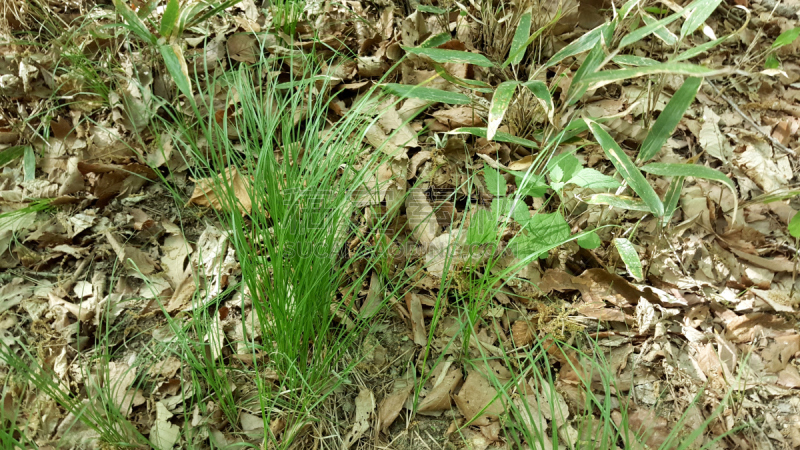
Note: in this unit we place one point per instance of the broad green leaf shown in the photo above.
(502, 98)
(669, 118)
(511, 207)
(772, 62)
(451, 56)
(482, 228)
(592, 179)
(133, 22)
(543, 232)
(530, 186)
(540, 91)
(671, 199)
(786, 38)
(618, 201)
(602, 78)
(11, 154)
(627, 169)
(580, 45)
(520, 39)
(430, 94)
(694, 51)
(794, 225)
(696, 14)
(29, 164)
(589, 240)
(176, 65)
(563, 167)
(436, 40)
(629, 6)
(633, 60)
(500, 136)
(630, 257)
(641, 33)
(521, 50)
(661, 32)
(495, 181)
(170, 17)
(694, 170)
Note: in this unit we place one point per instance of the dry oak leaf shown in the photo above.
(478, 400)
(439, 398)
(365, 405)
(463, 116)
(391, 406)
(205, 191)
(749, 326)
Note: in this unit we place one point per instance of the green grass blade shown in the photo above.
(669, 118)
(618, 201)
(694, 51)
(176, 65)
(580, 45)
(133, 22)
(661, 32)
(170, 17)
(591, 64)
(521, 50)
(429, 94)
(627, 169)
(697, 12)
(633, 60)
(794, 226)
(436, 40)
(596, 80)
(671, 199)
(693, 170)
(630, 257)
(11, 153)
(540, 91)
(503, 96)
(641, 33)
(451, 56)
(520, 41)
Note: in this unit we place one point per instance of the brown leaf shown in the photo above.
(462, 116)
(391, 406)
(421, 219)
(439, 398)
(414, 305)
(645, 424)
(522, 333)
(476, 394)
(205, 191)
(242, 47)
(745, 328)
(365, 405)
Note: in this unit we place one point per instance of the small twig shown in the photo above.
(747, 118)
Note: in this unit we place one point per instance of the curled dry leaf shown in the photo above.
(477, 400)
(414, 305)
(365, 405)
(421, 219)
(439, 398)
(392, 404)
(462, 116)
(206, 189)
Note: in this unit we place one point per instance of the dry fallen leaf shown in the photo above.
(439, 398)
(205, 191)
(365, 406)
(476, 394)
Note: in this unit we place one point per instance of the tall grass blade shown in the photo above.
(451, 56)
(518, 43)
(424, 93)
(669, 118)
(697, 13)
(627, 169)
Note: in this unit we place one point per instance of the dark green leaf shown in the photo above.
(170, 17)
(786, 38)
(133, 22)
(669, 118)
(542, 232)
(519, 43)
(11, 154)
(500, 136)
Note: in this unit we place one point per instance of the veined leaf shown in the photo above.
(694, 170)
(176, 65)
(602, 78)
(451, 56)
(544, 232)
(618, 201)
(630, 257)
(170, 18)
(133, 22)
(696, 14)
(786, 38)
(502, 98)
(518, 44)
(482, 228)
(627, 169)
(495, 181)
(669, 118)
(430, 94)
(500, 136)
(794, 226)
(592, 179)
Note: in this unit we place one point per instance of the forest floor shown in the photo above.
(638, 195)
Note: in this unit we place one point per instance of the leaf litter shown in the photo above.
(90, 236)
